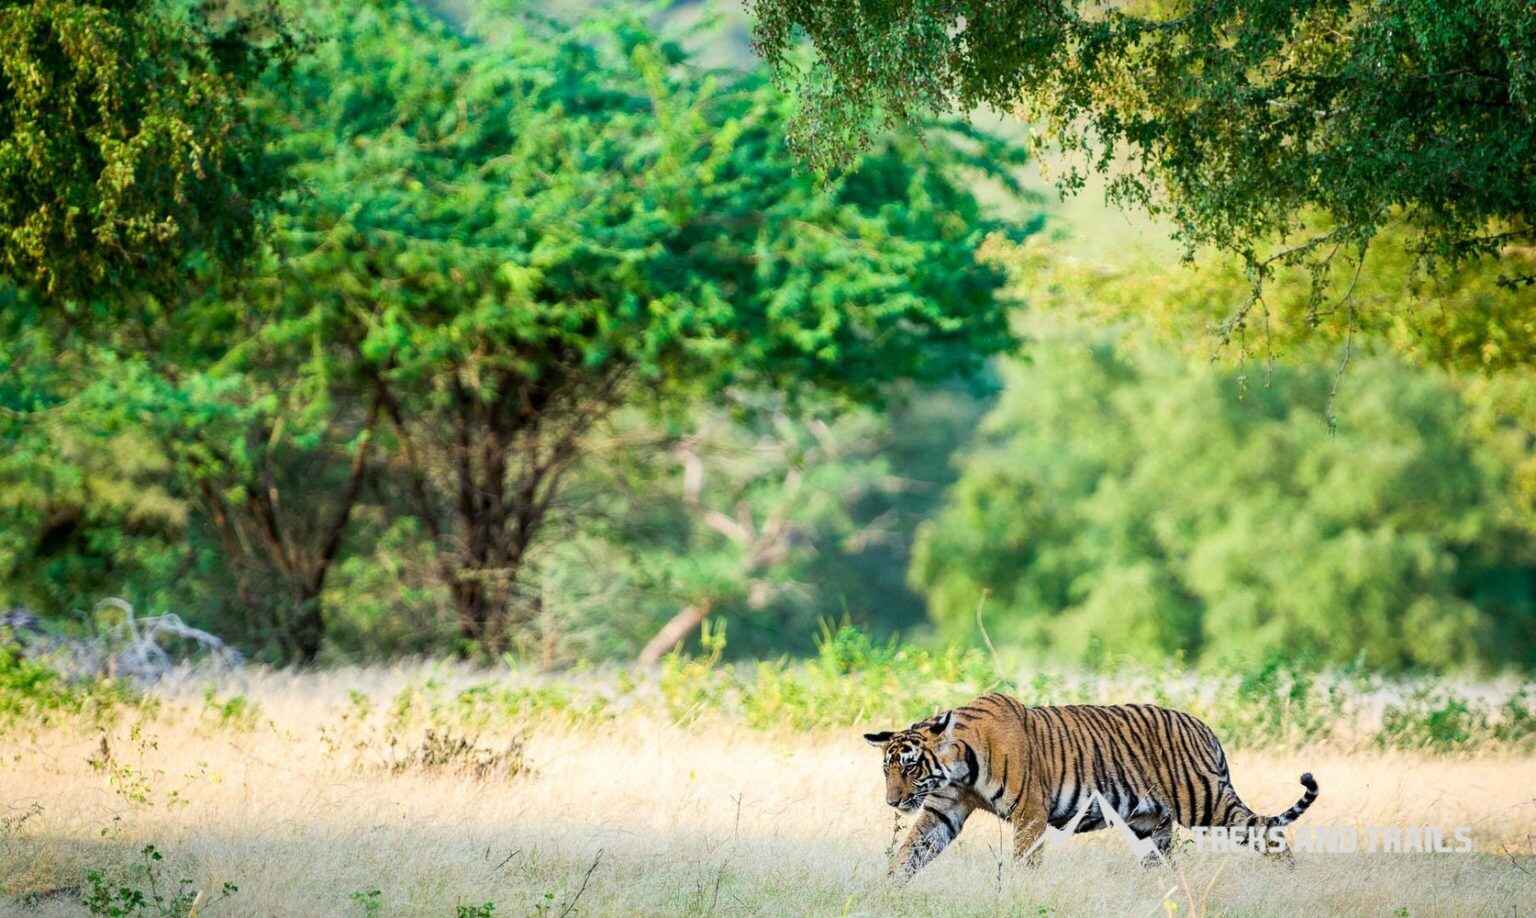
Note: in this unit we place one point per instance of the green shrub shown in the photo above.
(1279, 703)
(1516, 723)
(1121, 501)
(370, 901)
(853, 681)
(1433, 720)
(31, 690)
(141, 896)
(236, 712)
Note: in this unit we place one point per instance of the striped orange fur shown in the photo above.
(1035, 767)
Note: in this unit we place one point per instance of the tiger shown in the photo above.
(1035, 767)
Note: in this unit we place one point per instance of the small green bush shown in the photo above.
(1277, 702)
(141, 896)
(30, 690)
(853, 680)
(1434, 720)
(371, 901)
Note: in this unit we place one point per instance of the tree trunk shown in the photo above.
(309, 622)
(482, 586)
(505, 458)
(473, 607)
(307, 629)
(674, 632)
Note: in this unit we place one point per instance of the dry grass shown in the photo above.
(302, 809)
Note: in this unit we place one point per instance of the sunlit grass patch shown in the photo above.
(715, 788)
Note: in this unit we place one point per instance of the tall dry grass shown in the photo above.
(309, 801)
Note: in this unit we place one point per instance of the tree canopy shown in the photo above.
(520, 231)
(1285, 132)
(490, 243)
(126, 146)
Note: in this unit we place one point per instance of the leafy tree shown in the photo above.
(731, 520)
(784, 523)
(1124, 503)
(524, 231)
(773, 520)
(207, 457)
(273, 443)
(84, 499)
(1286, 133)
(125, 143)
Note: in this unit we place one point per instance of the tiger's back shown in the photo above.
(1139, 757)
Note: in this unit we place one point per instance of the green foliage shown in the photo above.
(771, 519)
(1462, 319)
(83, 491)
(522, 231)
(1434, 719)
(32, 691)
(855, 682)
(451, 199)
(126, 145)
(156, 463)
(692, 686)
(235, 712)
(1243, 122)
(851, 679)
(145, 898)
(542, 302)
(29, 686)
(1278, 701)
(370, 901)
(484, 707)
(1431, 720)
(1126, 504)
(491, 243)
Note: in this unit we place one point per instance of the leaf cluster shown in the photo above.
(127, 152)
(1244, 123)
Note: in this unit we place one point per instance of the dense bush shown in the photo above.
(1123, 503)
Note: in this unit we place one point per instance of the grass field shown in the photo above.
(405, 792)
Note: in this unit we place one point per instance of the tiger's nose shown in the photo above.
(892, 799)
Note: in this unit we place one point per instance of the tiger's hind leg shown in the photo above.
(1233, 814)
(1159, 827)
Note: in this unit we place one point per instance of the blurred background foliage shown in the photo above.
(1131, 504)
(552, 348)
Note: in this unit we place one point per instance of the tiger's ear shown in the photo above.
(879, 739)
(940, 722)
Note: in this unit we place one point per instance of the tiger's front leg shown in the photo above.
(939, 820)
(1029, 824)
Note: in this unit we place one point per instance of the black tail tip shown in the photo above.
(1308, 782)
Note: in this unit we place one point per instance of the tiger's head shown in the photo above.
(913, 768)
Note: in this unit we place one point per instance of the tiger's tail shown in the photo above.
(1294, 813)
